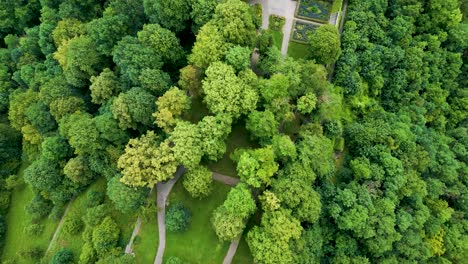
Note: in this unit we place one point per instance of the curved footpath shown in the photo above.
(163, 190)
(136, 230)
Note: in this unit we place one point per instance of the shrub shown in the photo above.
(94, 198)
(39, 207)
(95, 215)
(173, 260)
(88, 254)
(177, 218)
(57, 212)
(34, 253)
(13, 181)
(257, 17)
(34, 229)
(64, 256)
(339, 144)
(4, 201)
(276, 23)
(73, 224)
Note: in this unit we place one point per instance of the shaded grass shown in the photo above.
(145, 245)
(199, 244)
(78, 208)
(277, 39)
(243, 255)
(239, 138)
(17, 219)
(197, 111)
(298, 50)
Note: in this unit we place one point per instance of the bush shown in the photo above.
(57, 212)
(94, 198)
(177, 218)
(73, 224)
(4, 201)
(257, 15)
(339, 144)
(95, 215)
(39, 207)
(64, 256)
(34, 229)
(276, 23)
(13, 181)
(173, 260)
(34, 253)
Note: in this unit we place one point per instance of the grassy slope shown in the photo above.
(146, 243)
(298, 50)
(239, 138)
(78, 207)
(17, 219)
(199, 244)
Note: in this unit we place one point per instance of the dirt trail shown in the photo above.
(57, 230)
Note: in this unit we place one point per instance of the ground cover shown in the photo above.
(17, 219)
(314, 10)
(78, 207)
(277, 39)
(298, 50)
(199, 243)
(239, 138)
(146, 242)
(301, 31)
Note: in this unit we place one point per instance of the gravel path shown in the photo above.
(228, 180)
(232, 250)
(57, 230)
(163, 190)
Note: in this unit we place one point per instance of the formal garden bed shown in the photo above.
(301, 30)
(314, 10)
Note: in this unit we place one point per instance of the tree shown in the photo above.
(125, 198)
(186, 140)
(133, 107)
(198, 182)
(227, 226)
(226, 93)
(238, 57)
(306, 104)
(316, 152)
(104, 86)
(146, 163)
(65, 106)
(214, 130)
(109, 129)
(81, 132)
(79, 60)
(262, 125)
(105, 236)
(202, 12)
(190, 80)
(77, 170)
(162, 41)
(256, 167)
(73, 224)
(133, 57)
(235, 20)
(66, 29)
(172, 15)
(155, 81)
(325, 44)
(210, 46)
(284, 148)
(63, 256)
(19, 102)
(171, 106)
(239, 201)
(40, 118)
(177, 218)
(43, 175)
(269, 201)
(107, 30)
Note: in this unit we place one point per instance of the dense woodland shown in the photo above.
(371, 168)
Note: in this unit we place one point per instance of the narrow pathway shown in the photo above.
(228, 180)
(232, 250)
(136, 230)
(57, 230)
(163, 190)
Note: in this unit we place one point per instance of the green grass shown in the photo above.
(239, 138)
(197, 111)
(277, 39)
(17, 219)
(78, 207)
(336, 5)
(243, 255)
(298, 50)
(199, 244)
(146, 242)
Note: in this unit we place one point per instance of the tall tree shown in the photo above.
(171, 15)
(325, 44)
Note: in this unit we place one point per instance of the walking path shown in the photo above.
(228, 180)
(232, 250)
(57, 230)
(163, 190)
(136, 230)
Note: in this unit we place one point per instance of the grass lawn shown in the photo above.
(78, 207)
(243, 255)
(298, 50)
(145, 245)
(239, 138)
(199, 244)
(197, 111)
(277, 39)
(17, 219)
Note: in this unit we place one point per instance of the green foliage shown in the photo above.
(126, 199)
(133, 107)
(63, 256)
(73, 224)
(276, 23)
(177, 218)
(105, 236)
(170, 107)
(239, 201)
(198, 182)
(238, 57)
(172, 15)
(162, 41)
(325, 44)
(262, 125)
(215, 130)
(186, 139)
(256, 167)
(104, 86)
(306, 104)
(284, 148)
(209, 47)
